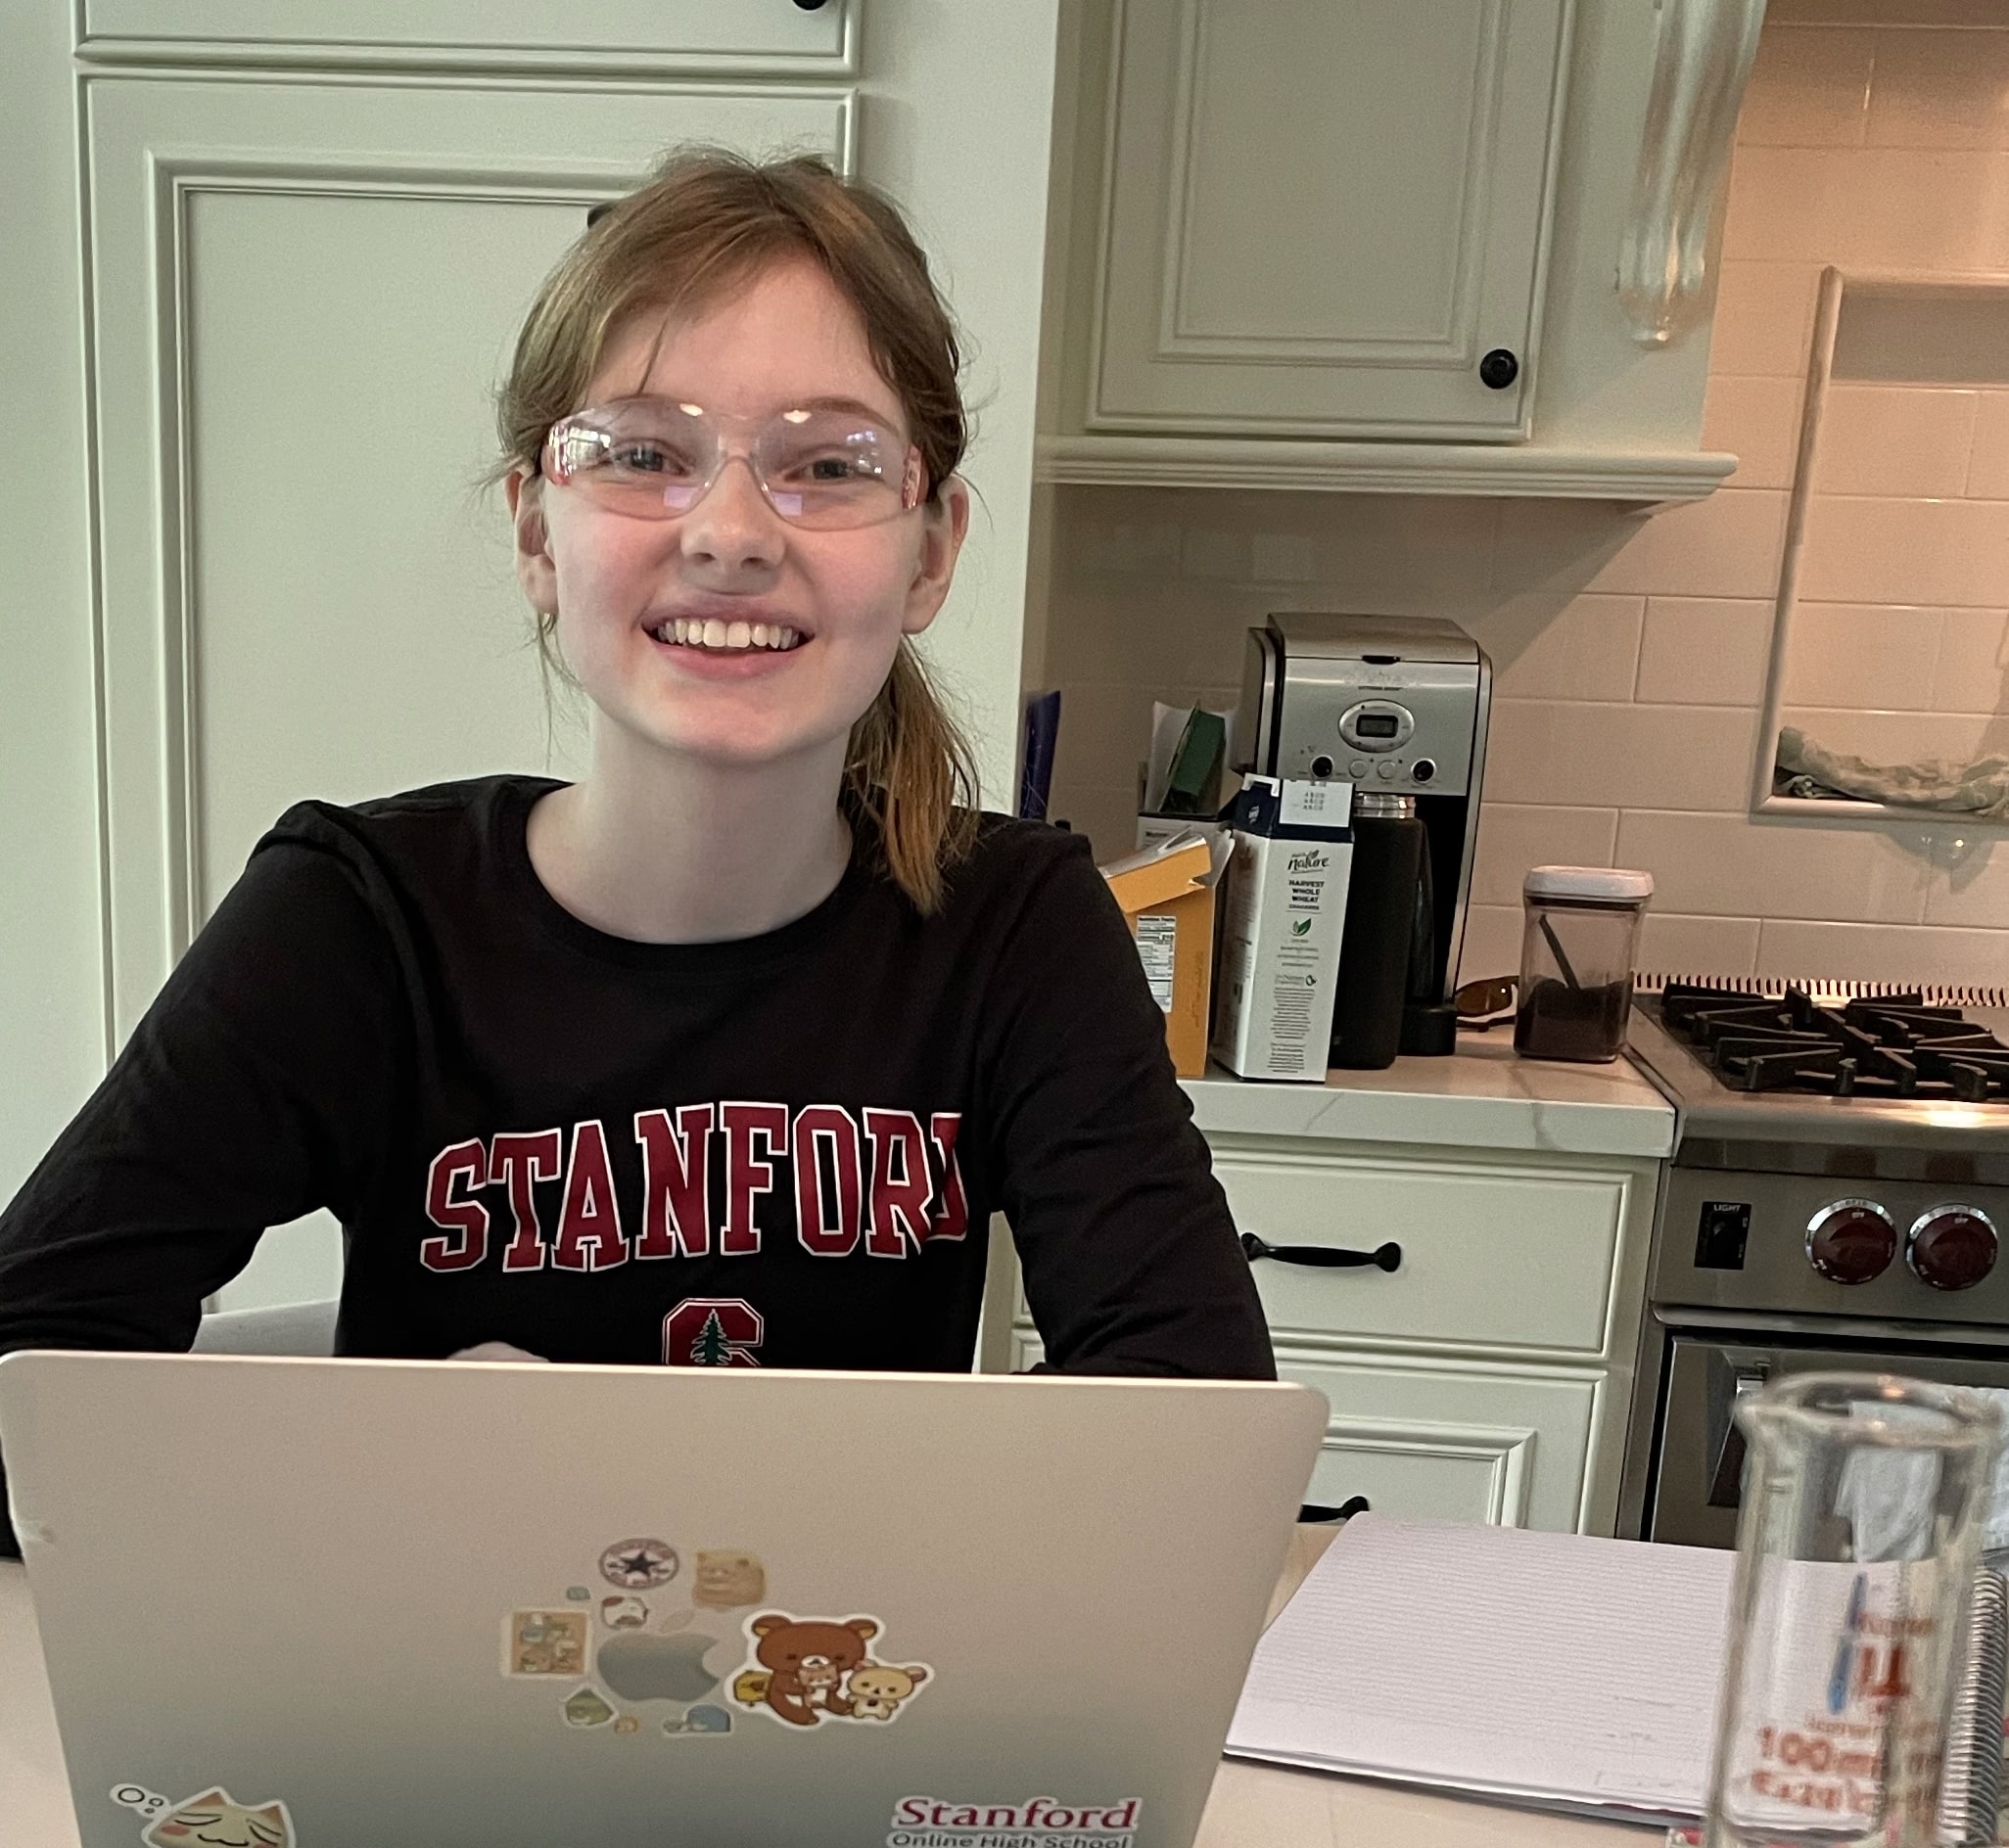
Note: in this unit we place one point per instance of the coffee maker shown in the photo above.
(1398, 706)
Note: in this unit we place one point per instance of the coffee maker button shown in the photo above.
(1360, 769)
(1387, 769)
(1322, 766)
(1424, 769)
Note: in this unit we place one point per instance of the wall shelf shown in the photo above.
(1653, 477)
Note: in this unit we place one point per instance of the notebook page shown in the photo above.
(1548, 1667)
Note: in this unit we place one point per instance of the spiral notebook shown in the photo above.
(1555, 1671)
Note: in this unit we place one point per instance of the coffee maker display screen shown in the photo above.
(1376, 725)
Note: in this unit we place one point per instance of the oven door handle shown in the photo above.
(1726, 1485)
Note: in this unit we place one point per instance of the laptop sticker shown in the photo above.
(579, 1594)
(211, 1818)
(729, 1580)
(876, 1689)
(628, 1725)
(806, 1670)
(703, 1722)
(586, 1706)
(624, 1613)
(636, 1565)
(546, 1643)
(922, 1823)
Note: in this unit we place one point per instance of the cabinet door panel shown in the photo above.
(1492, 1255)
(1451, 1446)
(690, 35)
(1320, 219)
(303, 297)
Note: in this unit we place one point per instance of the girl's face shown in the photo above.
(619, 585)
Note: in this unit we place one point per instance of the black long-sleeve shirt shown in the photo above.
(779, 1151)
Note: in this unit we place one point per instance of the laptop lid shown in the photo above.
(292, 1604)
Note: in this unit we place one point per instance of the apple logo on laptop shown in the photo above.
(639, 1666)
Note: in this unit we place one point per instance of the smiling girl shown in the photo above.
(725, 1054)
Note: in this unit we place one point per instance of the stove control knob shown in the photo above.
(1850, 1241)
(1951, 1247)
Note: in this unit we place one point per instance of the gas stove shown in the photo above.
(1897, 1045)
(1838, 1196)
(1902, 1078)
(1836, 1153)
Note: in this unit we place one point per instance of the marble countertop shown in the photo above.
(1483, 1097)
(1252, 1806)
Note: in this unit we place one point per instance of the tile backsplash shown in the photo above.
(1630, 653)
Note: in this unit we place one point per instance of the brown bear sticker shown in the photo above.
(803, 1670)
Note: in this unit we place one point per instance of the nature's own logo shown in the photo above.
(1312, 860)
(931, 1823)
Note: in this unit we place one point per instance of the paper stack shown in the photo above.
(1545, 1669)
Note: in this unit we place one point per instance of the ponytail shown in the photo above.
(909, 773)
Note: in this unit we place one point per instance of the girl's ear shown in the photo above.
(945, 522)
(535, 570)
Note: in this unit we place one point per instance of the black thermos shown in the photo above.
(1375, 939)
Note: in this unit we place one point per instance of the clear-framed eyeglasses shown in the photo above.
(823, 466)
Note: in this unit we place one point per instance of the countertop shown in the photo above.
(1483, 1097)
(1253, 1806)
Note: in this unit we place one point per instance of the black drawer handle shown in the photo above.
(1328, 1257)
(1312, 1513)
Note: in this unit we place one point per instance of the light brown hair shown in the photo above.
(705, 223)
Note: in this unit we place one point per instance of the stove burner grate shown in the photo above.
(1892, 1046)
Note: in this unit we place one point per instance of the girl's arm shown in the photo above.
(1131, 1261)
(255, 1090)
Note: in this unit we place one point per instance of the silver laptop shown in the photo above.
(292, 1604)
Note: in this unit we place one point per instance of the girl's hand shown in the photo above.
(495, 1351)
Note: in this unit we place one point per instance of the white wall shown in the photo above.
(52, 1009)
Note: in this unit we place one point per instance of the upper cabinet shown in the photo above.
(1377, 245)
(1328, 220)
(772, 37)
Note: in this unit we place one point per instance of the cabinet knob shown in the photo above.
(1499, 369)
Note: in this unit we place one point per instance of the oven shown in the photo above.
(1836, 1199)
(1692, 1498)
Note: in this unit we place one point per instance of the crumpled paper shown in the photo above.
(1979, 788)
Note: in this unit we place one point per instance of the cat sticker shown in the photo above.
(637, 1565)
(624, 1613)
(546, 1643)
(212, 1819)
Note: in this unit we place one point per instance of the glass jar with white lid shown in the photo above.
(1578, 947)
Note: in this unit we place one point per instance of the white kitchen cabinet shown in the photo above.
(1487, 1376)
(662, 36)
(1470, 1229)
(1288, 237)
(1320, 219)
(1446, 1444)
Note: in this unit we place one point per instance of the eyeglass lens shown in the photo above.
(656, 458)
